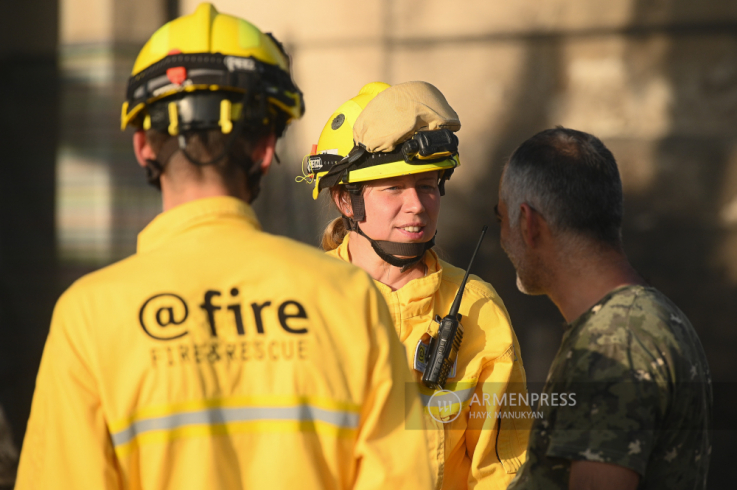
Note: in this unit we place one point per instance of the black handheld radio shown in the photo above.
(444, 346)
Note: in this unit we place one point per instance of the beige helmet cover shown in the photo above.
(398, 112)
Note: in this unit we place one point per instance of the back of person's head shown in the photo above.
(228, 155)
(207, 88)
(571, 179)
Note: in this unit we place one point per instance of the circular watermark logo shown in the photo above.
(443, 401)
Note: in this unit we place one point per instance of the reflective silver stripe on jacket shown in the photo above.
(212, 416)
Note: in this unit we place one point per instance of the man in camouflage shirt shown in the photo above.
(630, 379)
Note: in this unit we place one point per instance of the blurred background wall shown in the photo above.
(656, 80)
(29, 122)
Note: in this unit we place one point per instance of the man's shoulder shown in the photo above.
(639, 309)
(111, 274)
(328, 290)
(634, 331)
(280, 256)
(624, 360)
(653, 309)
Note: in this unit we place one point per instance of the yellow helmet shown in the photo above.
(385, 131)
(336, 159)
(222, 60)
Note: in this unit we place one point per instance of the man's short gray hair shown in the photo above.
(571, 179)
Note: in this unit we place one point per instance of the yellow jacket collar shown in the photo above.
(415, 297)
(176, 220)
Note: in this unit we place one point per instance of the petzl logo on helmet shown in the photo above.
(441, 406)
(314, 164)
(169, 87)
(235, 63)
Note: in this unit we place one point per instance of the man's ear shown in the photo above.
(264, 152)
(343, 201)
(531, 225)
(142, 149)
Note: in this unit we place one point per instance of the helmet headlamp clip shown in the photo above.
(429, 145)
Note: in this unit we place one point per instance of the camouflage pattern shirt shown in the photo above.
(638, 395)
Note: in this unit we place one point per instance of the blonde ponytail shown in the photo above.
(333, 235)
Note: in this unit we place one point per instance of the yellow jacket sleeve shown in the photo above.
(499, 422)
(497, 440)
(67, 444)
(391, 445)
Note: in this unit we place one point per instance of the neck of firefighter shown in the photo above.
(183, 182)
(363, 255)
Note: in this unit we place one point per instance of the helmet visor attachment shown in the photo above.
(424, 147)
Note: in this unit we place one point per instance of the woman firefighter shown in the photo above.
(384, 157)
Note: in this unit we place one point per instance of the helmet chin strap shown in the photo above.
(388, 251)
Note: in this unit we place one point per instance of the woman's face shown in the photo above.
(402, 209)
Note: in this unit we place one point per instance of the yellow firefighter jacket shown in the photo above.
(482, 441)
(222, 357)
